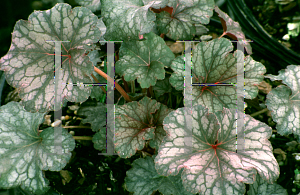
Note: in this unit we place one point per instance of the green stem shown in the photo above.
(76, 127)
(132, 86)
(144, 91)
(259, 112)
(151, 91)
(125, 85)
(82, 137)
(178, 100)
(170, 100)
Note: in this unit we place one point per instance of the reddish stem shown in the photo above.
(119, 88)
(125, 85)
(52, 54)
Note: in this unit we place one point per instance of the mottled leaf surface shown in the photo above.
(177, 77)
(211, 165)
(213, 64)
(29, 63)
(144, 60)
(128, 19)
(99, 139)
(284, 101)
(142, 179)
(179, 22)
(24, 153)
(201, 29)
(233, 29)
(94, 57)
(93, 5)
(261, 187)
(253, 75)
(135, 123)
(102, 28)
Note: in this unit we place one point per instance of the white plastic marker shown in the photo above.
(110, 120)
(240, 138)
(188, 146)
(57, 96)
(110, 97)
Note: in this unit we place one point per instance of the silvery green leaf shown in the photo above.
(24, 152)
(127, 19)
(178, 23)
(142, 179)
(211, 164)
(144, 60)
(213, 64)
(261, 187)
(28, 65)
(284, 101)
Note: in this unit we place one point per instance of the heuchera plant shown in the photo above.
(210, 165)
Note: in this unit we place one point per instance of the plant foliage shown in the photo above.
(202, 159)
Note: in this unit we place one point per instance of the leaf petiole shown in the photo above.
(119, 88)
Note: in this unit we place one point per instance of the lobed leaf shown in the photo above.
(127, 19)
(213, 64)
(261, 187)
(284, 101)
(24, 153)
(137, 122)
(29, 63)
(211, 165)
(142, 179)
(179, 23)
(144, 60)
(162, 87)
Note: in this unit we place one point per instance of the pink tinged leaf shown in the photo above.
(31, 56)
(141, 36)
(134, 126)
(213, 166)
